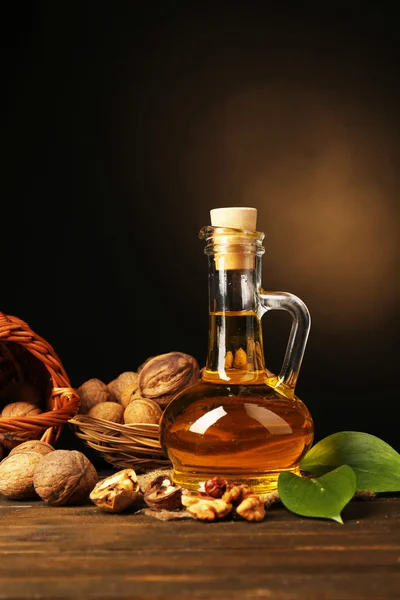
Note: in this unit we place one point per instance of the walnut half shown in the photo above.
(162, 494)
(117, 492)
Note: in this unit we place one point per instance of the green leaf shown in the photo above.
(324, 497)
(375, 463)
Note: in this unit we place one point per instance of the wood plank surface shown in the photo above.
(81, 552)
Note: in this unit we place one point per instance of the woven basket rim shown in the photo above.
(122, 445)
(63, 397)
(81, 418)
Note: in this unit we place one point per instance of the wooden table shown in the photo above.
(80, 552)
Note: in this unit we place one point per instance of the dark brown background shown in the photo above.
(125, 123)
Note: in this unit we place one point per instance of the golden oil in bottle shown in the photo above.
(238, 428)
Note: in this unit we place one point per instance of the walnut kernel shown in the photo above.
(162, 494)
(240, 361)
(235, 493)
(205, 508)
(251, 508)
(228, 360)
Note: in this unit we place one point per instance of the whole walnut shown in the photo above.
(17, 473)
(121, 382)
(64, 477)
(20, 409)
(108, 411)
(142, 411)
(92, 392)
(129, 393)
(168, 374)
(32, 446)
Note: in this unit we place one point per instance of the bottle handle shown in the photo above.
(301, 322)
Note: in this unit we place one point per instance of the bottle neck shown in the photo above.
(235, 347)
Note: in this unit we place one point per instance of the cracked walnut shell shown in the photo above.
(117, 492)
(64, 477)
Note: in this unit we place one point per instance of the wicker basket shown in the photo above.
(26, 357)
(134, 446)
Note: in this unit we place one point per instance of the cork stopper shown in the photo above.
(236, 217)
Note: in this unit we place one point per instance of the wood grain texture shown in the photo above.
(81, 552)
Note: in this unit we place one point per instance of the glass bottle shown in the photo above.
(240, 422)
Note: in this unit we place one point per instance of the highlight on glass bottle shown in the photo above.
(240, 422)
